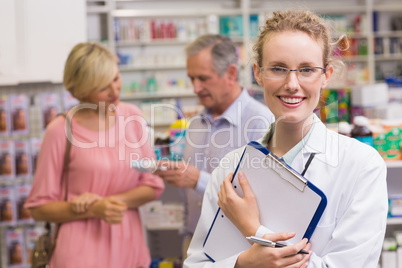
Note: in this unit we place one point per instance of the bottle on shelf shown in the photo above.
(178, 135)
(361, 130)
(344, 128)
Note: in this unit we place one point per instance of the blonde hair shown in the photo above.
(295, 20)
(89, 67)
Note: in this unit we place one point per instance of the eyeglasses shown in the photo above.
(303, 74)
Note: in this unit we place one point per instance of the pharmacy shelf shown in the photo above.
(388, 34)
(162, 42)
(128, 68)
(164, 227)
(394, 164)
(152, 13)
(165, 124)
(159, 95)
(390, 57)
(97, 9)
(154, 42)
(350, 59)
(394, 221)
(356, 35)
(324, 8)
(395, 6)
(17, 80)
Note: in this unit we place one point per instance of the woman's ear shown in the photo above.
(257, 73)
(329, 71)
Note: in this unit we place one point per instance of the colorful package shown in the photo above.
(7, 160)
(393, 138)
(50, 104)
(15, 248)
(19, 111)
(21, 195)
(36, 143)
(7, 206)
(23, 160)
(5, 122)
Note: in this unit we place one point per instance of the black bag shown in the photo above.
(44, 246)
(43, 250)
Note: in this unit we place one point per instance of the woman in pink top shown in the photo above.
(101, 226)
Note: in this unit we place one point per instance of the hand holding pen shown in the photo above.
(269, 243)
(265, 256)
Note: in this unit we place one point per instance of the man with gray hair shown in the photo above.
(231, 119)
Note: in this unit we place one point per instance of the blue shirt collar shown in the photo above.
(230, 115)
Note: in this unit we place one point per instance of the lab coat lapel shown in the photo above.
(320, 142)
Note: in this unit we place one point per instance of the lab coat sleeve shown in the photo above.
(196, 257)
(360, 227)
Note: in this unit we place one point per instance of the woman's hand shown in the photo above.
(109, 209)
(267, 257)
(242, 212)
(81, 203)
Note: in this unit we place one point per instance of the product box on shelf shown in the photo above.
(5, 115)
(395, 206)
(389, 255)
(387, 138)
(380, 144)
(231, 26)
(36, 143)
(335, 105)
(23, 162)
(19, 111)
(7, 160)
(50, 105)
(21, 195)
(393, 138)
(8, 214)
(159, 215)
(370, 95)
(15, 248)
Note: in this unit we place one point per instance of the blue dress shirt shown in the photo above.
(208, 140)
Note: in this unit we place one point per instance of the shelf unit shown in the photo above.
(161, 10)
(394, 164)
(158, 95)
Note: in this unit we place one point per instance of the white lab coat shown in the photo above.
(353, 177)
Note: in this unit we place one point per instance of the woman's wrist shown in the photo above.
(251, 229)
(91, 212)
(241, 260)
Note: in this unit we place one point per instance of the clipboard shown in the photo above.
(288, 202)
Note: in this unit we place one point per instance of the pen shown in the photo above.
(268, 243)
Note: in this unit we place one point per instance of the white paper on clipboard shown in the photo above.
(287, 202)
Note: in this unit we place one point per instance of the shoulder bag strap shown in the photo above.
(64, 175)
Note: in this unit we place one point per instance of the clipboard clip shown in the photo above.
(295, 179)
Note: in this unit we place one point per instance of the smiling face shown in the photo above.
(291, 100)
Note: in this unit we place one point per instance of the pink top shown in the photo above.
(99, 163)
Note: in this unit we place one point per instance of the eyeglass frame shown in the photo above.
(323, 71)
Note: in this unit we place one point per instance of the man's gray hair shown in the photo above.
(223, 50)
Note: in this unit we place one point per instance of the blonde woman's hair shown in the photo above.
(89, 67)
(296, 20)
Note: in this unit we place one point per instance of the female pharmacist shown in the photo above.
(293, 64)
(100, 226)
